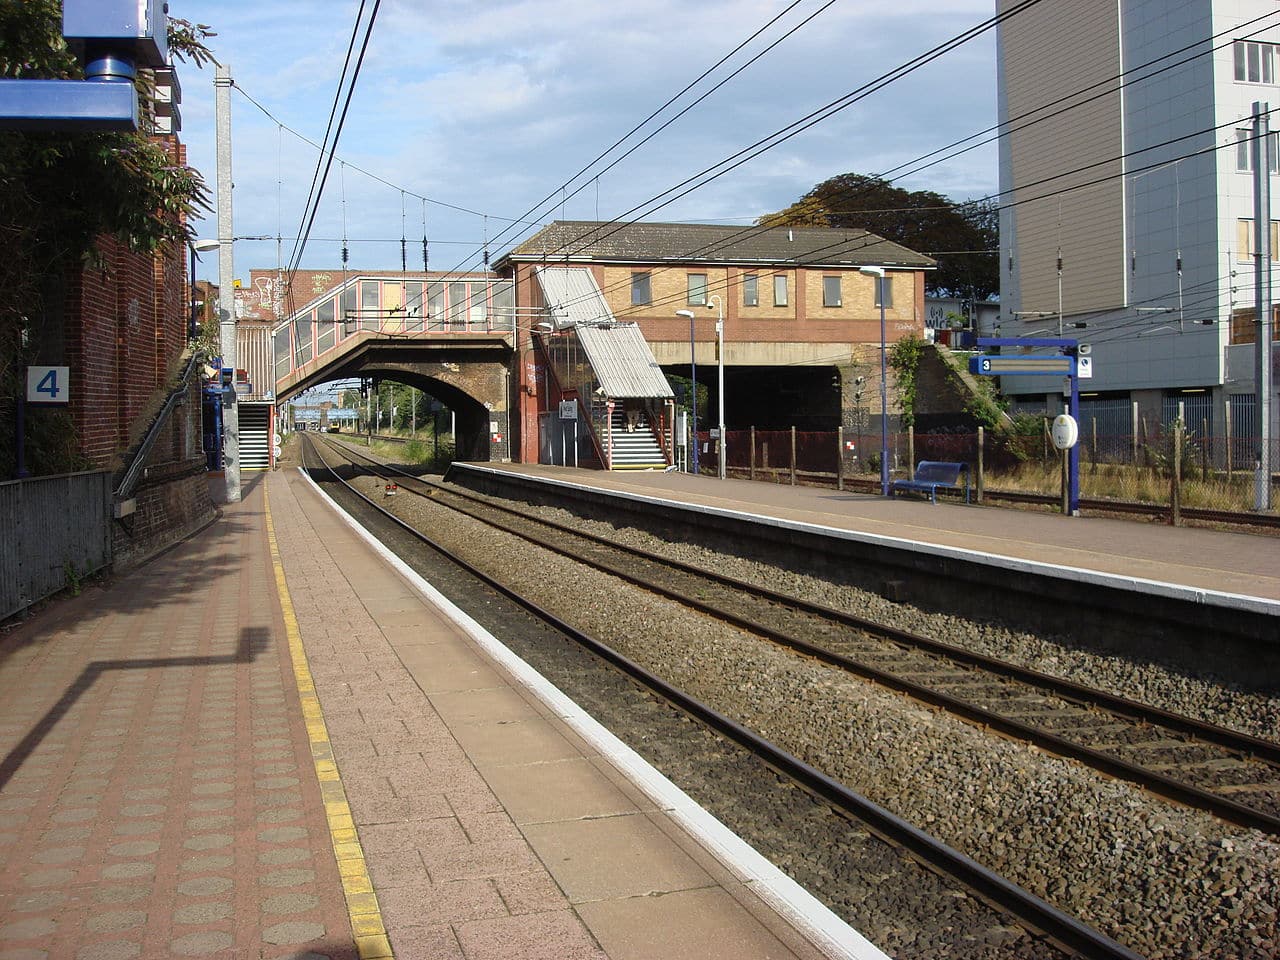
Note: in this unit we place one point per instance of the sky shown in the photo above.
(487, 109)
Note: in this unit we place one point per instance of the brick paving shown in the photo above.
(490, 830)
(157, 797)
(159, 793)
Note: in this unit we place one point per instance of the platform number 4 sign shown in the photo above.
(48, 385)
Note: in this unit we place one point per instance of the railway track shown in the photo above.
(1231, 775)
(1052, 928)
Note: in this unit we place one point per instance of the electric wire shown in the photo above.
(671, 100)
(333, 112)
(351, 89)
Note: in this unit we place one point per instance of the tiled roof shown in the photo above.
(587, 240)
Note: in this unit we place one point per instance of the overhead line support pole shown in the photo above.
(226, 284)
(1262, 298)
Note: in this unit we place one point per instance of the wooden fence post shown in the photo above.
(840, 457)
(1204, 449)
(793, 455)
(1227, 427)
(981, 451)
(751, 470)
(1175, 494)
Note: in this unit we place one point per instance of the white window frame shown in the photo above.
(1244, 240)
(1244, 150)
(884, 283)
(750, 290)
(1254, 62)
(827, 299)
(697, 290)
(641, 282)
(780, 297)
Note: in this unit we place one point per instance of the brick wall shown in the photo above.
(125, 334)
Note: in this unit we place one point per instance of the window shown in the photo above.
(750, 290)
(698, 289)
(435, 301)
(1244, 149)
(370, 303)
(457, 315)
(350, 316)
(1244, 240)
(779, 289)
(1255, 62)
(478, 314)
(885, 284)
(413, 306)
(831, 291)
(640, 292)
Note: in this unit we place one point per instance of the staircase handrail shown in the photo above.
(133, 472)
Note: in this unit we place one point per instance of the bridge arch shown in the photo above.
(479, 421)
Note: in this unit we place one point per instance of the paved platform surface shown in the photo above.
(265, 743)
(1233, 563)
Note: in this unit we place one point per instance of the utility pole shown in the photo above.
(226, 283)
(1262, 297)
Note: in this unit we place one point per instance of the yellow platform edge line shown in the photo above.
(363, 912)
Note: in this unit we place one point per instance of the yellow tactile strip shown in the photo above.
(362, 903)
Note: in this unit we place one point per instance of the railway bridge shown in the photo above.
(454, 339)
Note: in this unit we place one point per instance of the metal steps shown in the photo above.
(635, 451)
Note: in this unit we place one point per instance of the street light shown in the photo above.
(878, 273)
(197, 248)
(720, 365)
(693, 403)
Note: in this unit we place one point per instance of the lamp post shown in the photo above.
(693, 399)
(197, 248)
(878, 273)
(719, 306)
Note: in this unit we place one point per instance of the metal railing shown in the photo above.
(58, 530)
(132, 473)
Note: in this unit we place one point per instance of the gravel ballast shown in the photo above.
(1166, 881)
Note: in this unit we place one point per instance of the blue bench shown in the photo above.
(932, 474)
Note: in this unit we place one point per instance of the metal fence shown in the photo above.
(1213, 471)
(56, 530)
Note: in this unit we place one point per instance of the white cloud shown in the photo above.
(492, 107)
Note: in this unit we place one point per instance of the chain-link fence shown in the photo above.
(1165, 466)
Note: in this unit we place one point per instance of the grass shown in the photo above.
(1107, 481)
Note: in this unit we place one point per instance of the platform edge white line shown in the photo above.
(808, 915)
(1160, 588)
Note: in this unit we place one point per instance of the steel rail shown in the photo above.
(1155, 781)
(1062, 929)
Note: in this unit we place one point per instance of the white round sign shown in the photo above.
(1065, 431)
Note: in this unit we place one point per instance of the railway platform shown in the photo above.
(1235, 568)
(271, 742)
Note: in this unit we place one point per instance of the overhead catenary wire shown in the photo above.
(337, 133)
(432, 201)
(532, 211)
(333, 112)
(427, 199)
(1007, 125)
(843, 244)
(796, 127)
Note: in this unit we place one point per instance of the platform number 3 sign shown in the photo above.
(48, 385)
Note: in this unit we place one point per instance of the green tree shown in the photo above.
(963, 237)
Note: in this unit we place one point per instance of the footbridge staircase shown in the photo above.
(606, 401)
